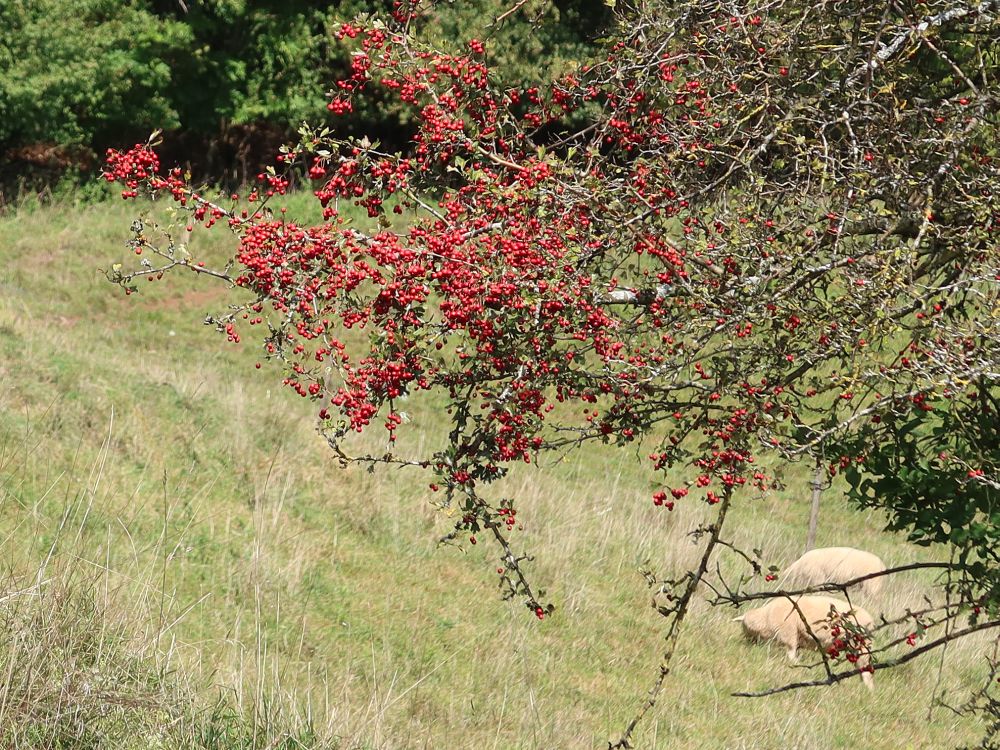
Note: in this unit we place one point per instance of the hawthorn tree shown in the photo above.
(743, 230)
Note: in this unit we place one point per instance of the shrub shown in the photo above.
(735, 236)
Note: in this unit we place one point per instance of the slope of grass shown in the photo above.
(144, 456)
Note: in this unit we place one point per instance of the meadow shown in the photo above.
(185, 565)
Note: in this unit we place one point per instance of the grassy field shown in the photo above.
(185, 565)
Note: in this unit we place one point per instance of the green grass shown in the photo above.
(175, 504)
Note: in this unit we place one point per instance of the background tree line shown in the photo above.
(228, 80)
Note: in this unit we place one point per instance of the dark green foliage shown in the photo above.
(933, 471)
(81, 71)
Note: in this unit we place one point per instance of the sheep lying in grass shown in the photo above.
(785, 622)
(835, 565)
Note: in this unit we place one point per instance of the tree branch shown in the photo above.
(890, 664)
(679, 612)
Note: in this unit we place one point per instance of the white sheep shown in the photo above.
(786, 622)
(835, 565)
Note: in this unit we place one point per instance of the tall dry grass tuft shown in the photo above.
(74, 673)
(89, 653)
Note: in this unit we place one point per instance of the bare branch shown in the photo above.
(888, 664)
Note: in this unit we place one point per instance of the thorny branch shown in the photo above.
(876, 666)
(676, 614)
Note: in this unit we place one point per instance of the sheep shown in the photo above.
(836, 565)
(785, 622)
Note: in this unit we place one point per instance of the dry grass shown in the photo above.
(89, 659)
(205, 540)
